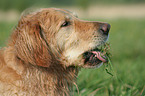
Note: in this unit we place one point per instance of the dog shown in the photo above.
(46, 51)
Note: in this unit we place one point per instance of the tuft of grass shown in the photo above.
(108, 66)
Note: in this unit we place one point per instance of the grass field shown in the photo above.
(127, 39)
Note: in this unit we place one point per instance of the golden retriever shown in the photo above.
(46, 50)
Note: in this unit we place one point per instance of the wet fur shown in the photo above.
(39, 60)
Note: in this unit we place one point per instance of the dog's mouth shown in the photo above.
(94, 58)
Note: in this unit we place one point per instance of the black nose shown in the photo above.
(105, 28)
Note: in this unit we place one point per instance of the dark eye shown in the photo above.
(65, 24)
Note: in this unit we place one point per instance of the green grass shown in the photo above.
(127, 39)
(5, 31)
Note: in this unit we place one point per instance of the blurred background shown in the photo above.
(127, 41)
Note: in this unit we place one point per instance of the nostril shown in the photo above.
(105, 28)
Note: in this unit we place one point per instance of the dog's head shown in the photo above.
(55, 34)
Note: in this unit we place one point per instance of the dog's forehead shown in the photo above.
(66, 12)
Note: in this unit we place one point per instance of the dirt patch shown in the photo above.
(112, 11)
(9, 16)
(94, 11)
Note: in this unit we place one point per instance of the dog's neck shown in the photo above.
(55, 80)
(50, 81)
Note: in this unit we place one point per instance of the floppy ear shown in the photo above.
(31, 45)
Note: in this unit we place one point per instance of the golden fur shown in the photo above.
(43, 55)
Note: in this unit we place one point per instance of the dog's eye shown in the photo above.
(65, 24)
